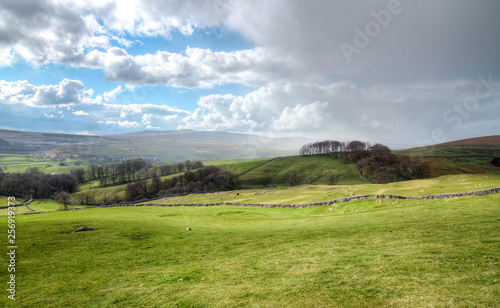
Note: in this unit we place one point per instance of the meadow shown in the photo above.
(19, 164)
(369, 253)
(434, 253)
(318, 193)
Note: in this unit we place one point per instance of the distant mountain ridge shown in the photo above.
(481, 141)
(171, 145)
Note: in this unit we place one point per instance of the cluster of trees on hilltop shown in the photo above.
(332, 147)
(207, 179)
(375, 163)
(378, 164)
(36, 184)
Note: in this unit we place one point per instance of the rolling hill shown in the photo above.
(473, 152)
(160, 146)
(479, 141)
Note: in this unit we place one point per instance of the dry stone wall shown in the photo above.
(331, 202)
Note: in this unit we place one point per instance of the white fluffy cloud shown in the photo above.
(61, 32)
(67, 92)
(71, 101)
(111, 95)
(123, 123)
(296, 39)
(81, 113)
(414, 76)
(430, 113)
(198, 68)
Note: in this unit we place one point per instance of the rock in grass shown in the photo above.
(84, 229)
(188, 229)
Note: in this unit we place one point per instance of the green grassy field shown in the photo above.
(19, 210)
(19, 164)
(318, 193)
(276, 172)
(436, 253)
(237, 166)
(468, 156)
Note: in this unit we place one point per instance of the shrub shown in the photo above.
(310, 179)
(331, 177)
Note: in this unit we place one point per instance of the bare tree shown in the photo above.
(331, 177)
(64, 198)
(293, 178)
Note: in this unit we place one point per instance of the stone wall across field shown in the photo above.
(331, 202)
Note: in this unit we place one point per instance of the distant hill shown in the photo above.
(164, 146)
(480, 141)
(473, 152)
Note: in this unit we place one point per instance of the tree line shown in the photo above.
(375, 163)
(136, 169)
(36, 184)
(207, 179)
(332, 147)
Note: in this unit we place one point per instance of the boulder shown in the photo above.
(84, 229)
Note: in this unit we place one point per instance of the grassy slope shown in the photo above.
(92, 188)
(437, 253)
(237, 166)
(319, 193)
(474, 158)
(276, 171)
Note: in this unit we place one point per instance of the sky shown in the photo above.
(399, 72)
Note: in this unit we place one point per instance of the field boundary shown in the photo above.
(293, 206)
(253, 168)
(331, 202)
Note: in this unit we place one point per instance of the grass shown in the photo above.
(319, 193)
(435, 253)
(92, 188)
(237, 166)
(4, 201)
(19, 164)
(472, 157)
(276, 172)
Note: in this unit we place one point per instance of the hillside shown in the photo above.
(276, 171)
(159, 146)
(479, 141)
(475, 153)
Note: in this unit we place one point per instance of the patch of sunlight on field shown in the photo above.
(319, 193)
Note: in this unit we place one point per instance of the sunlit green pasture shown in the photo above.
(391, 253)
(318, 193)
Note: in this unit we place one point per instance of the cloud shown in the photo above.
(48, 105)
(51, 31)
(123, 123)
(426, 40)
(80, 113)
(296, 40)
(198, 68)
(342, 110)
(414, 76)
(67, 92)
(111, 95)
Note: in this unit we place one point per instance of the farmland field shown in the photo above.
(19, 164)
(318, 193)
(440, 253)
